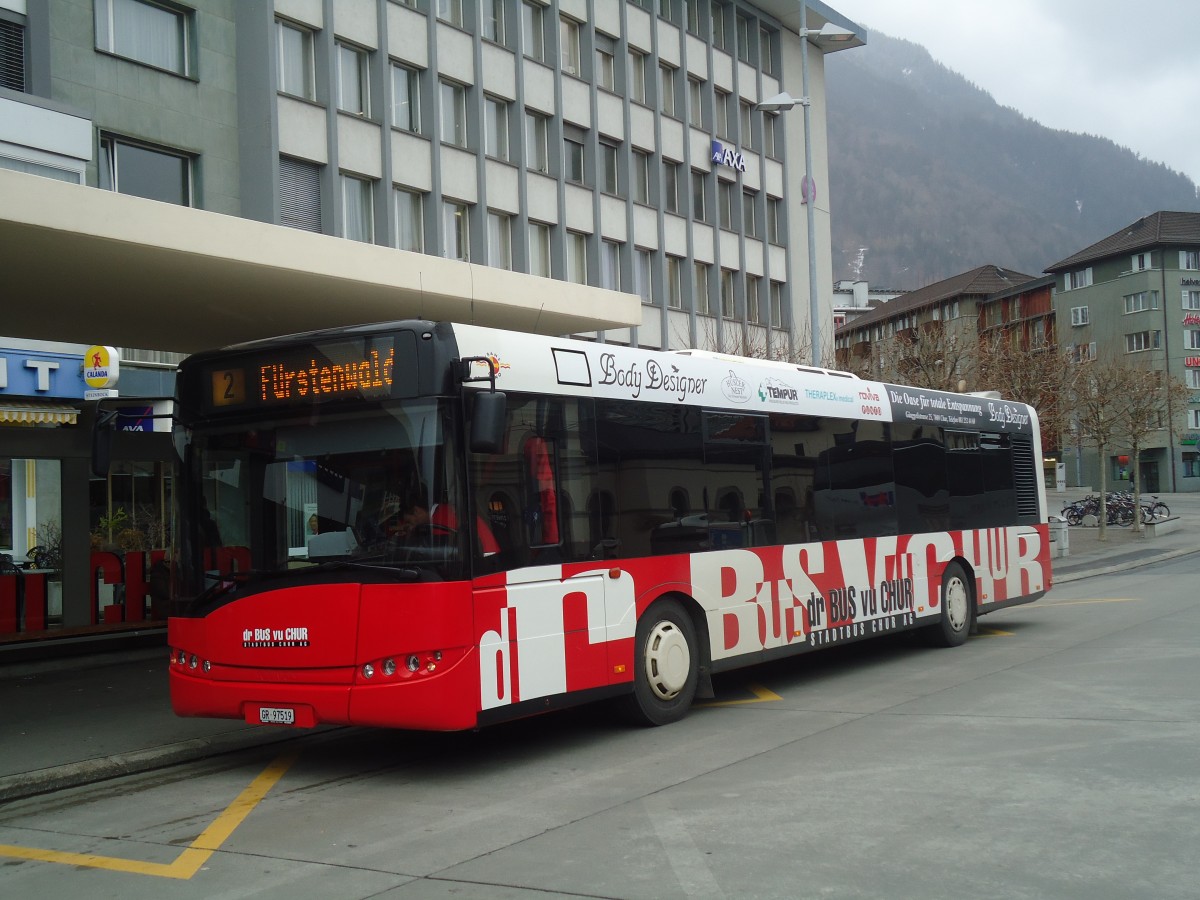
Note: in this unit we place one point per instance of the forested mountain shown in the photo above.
(930, 177)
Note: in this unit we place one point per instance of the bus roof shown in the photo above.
(535, 363)
(540, 364)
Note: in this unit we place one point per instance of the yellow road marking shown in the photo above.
(1082, 602)
(993, 632)
(761, 695)
(194, 856)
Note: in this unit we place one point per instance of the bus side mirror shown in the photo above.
(487, 422)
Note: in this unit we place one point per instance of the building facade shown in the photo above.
(608, 143)
(614, 144)
(928, 336)
(599, 143)
(1135, 295)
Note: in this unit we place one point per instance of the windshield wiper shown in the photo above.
(225, 582)
(366, 562)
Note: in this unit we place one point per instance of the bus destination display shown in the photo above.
(345, 370)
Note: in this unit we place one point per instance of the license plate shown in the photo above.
(273, 715)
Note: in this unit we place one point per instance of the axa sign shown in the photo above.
(726, 156)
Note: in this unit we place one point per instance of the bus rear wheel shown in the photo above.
(666, 665)
(957, 599)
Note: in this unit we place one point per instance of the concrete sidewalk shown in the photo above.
(77, 720)
(1123, 548)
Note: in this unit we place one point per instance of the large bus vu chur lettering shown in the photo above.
(435, 526)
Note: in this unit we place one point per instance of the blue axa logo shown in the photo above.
(772, 390)
(735, 389)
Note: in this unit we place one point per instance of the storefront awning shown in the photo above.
(16, 413)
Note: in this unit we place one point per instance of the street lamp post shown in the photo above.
(808, 186)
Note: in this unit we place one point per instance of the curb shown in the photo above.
(1125, 566)
(91, 771)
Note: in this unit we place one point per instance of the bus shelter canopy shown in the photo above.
(89, 266)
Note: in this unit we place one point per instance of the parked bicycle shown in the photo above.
(1158, 508)
(1118, 507)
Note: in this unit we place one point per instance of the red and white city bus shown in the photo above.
(436, 526)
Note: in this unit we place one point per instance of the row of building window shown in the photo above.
(409, 213)
(1189, 260)
(1152, 340)
(159, 34)
(159, 173)
(1138, 302)
(300, 207)
(731, 30)
(734, 121)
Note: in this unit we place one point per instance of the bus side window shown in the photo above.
(541, 509)
(680, 504)
(730, 507)
(522, 490)
(602, 525)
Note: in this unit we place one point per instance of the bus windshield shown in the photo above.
(293, 496)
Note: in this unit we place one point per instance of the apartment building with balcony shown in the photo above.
(1135, 296)
(936, 326)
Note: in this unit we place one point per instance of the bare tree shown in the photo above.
(1041, 376)
(1102, 402)
(737, 339)
(929, 355)
(1154, 396)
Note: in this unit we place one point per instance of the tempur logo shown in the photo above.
(772, 390)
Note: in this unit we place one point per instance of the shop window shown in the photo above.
(6, 505)
(130, 509)
(1191, 465)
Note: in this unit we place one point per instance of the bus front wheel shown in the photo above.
(666, 665)
(957, 599)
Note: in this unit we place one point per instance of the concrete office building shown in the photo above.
(608, 143)
(534, 165)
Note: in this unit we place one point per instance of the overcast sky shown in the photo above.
(1126, 71)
